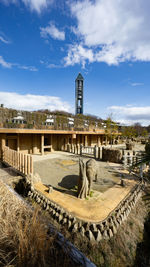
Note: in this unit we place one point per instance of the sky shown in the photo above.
(44, 44)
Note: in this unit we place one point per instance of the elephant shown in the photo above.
(83, 181)
(91, 172)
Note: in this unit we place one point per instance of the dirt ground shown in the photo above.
(61, 170)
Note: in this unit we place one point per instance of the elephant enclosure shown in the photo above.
(61, 170)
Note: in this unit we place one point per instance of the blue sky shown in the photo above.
(45, 43)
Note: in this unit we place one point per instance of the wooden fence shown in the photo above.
(19, 161)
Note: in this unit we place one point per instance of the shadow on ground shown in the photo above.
(69, 181)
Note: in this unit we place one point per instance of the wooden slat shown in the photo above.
(28, 164)
(19, 161)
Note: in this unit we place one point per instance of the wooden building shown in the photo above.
(37, 141)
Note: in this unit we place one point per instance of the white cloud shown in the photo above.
(78, 55)
(34, 5)
(32, 102)
(9, 65)
(115, 30)
(37, 5)
(52, 31)
(137, 84)
(30, 68)
(131, 114)
(3, 40)
(5, 64)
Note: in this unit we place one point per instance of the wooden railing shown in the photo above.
(19, 161)
(88, 150)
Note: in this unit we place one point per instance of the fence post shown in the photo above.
(23, 169)
(95, 150)
(81, 150)
(25, 164)
(31, 165)
(99, 152)
(28, 164)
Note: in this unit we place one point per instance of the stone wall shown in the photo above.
(93, 231)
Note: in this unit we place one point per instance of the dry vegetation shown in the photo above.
(122, 249)
(24, 240)
(23, 236)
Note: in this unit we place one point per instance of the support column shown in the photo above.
(102, 139)
(52, 142)
(86, 143)
(42, 144)
(3, 143)
(91, 140)
(98, 141)
(77, 140)
(18, 142)
(34, 148)
(82, 139)
(106, 140)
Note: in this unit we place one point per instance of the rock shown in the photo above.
(89, 235)
(105, 235)
(82, 231)
(75, 227)
(114, 230)
(98, 236)
(110, 233)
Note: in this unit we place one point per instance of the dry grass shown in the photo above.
(23, 236)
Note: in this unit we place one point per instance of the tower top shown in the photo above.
(80, 77)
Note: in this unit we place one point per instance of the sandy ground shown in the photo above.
(92, 209)
(61, 170)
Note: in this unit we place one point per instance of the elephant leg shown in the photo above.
(96, 177)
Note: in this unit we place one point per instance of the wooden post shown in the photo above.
(95, 151)
(34, 142)
(31, 165)
(13, 158)
(28, 164)
(42, 144)
(86, 143)
(98, 141)
(106, 140)
(18, 143)
(83, 140)
(25, 164)
(22, 169)
(99, 153)
(20, 162)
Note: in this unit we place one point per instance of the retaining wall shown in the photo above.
(93, 231)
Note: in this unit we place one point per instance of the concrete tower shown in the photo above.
(79, 94)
